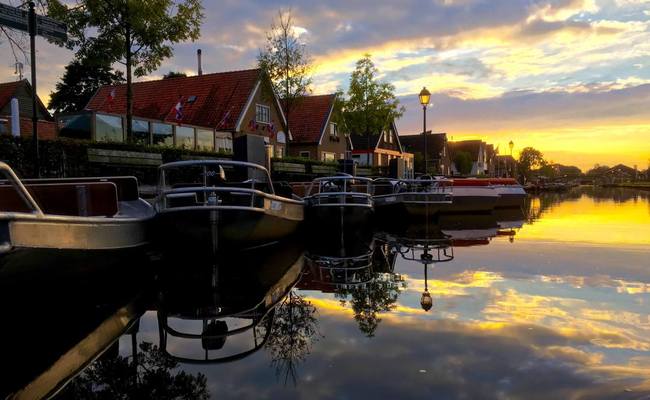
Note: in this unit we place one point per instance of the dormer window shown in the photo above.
(262, 114)
(334, 130)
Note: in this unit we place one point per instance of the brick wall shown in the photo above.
(46, 129)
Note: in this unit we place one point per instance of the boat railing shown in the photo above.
(385, 186)
(342, 271)
(215, 196)
(20, 189)
(340, 190)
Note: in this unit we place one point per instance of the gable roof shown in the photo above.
(8, 90)
(308, 119)
(220, 98)
(415, 143)
(360, 141)
(473, 147)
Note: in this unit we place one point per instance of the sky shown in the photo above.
(568, 77)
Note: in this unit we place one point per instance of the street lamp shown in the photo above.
(426, 302)
(511, 146)
(425, 97)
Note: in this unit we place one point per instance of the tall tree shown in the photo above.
(79, 83)
(371, 105)
(529, 159)
(136, 33)
(285, 61)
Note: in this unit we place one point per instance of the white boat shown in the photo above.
(71, 213)
(210, 204)
(511, 193)
(472, 195)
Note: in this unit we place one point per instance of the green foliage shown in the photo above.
(136, 33)
(152, 376)
(69, 158)
(529, 159)
(285, 61)
(597, 170)
(305, 161)
(371, 105)
(174, 74)
(463, 162)
(82, 78)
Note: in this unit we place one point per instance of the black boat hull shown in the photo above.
(205, 231)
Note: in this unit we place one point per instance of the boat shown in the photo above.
(103, 213)
(424, 196)
(469, 229)
(211, 204)
(338, 202)
(511, 193)
(471, 195)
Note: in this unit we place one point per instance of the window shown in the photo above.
(204, 139)
(279, 151)
(327, 156)
(390, 136)
(72, 126)
(334, 131)
(304, 154)
(342, 156)
(185, 137)
(140, 130)
(263, 114)
(108, 128)
(223, 142)
(281, 137)
(163, 134)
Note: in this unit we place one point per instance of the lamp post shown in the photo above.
(425, 97)
(511, 145)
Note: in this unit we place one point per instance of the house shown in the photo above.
(475, 150)
(316, 129)
(201, 112)
(438, 161)
(504, 166)
(619, 173)
(22, 91)
(377, 150)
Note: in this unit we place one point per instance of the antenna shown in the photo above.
(19, 70)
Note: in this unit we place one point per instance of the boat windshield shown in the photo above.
(228, 174)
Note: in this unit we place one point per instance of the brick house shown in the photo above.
(376, 150)
(316, 129)
(201, 112)
(437, 152)
(22, 91)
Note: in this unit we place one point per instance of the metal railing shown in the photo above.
(340, 190)
(18, 186)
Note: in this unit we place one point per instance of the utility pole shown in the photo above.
(32, 50)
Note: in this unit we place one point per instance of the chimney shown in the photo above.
(198, 56)
(15, 117)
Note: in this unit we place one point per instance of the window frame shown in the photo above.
(266, 111)
(302, 154)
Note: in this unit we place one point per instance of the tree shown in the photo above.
(285, 61)
(82, 78)
(371, 105)
(174, 74)
(136, 33)
(153, 376)
(530, 159)
(463, 162)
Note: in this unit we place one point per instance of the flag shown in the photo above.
(178, 108)
(224, 119)
(111, 98)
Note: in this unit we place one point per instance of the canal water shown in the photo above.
(547, 303)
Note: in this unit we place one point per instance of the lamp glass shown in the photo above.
(425, 96)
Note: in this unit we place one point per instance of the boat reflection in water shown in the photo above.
(235, 299)
(63, 313)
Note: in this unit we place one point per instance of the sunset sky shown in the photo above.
(569, 77)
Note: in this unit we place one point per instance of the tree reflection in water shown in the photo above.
(151, 376)
(378, 295)
(295, 328)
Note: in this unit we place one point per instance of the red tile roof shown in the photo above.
(309, 116)
(7, 91)
(220, 98)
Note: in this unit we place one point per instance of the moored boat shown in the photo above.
(421, 197)
(208, 204)
(71, 213)
(470, 195)
(511, 193)
(340, 202)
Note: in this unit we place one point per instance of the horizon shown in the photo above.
(570, 78)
